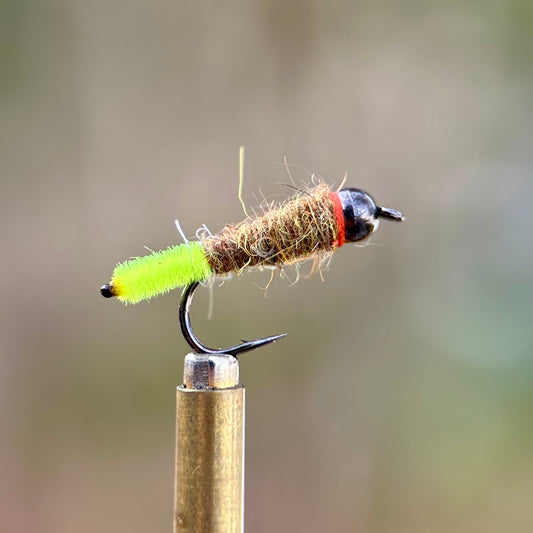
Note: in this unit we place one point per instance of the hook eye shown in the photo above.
(197, 346)
(390, 214)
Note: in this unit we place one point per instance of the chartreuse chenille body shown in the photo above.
(145, 277)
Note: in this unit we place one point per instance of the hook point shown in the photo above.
(197, 346)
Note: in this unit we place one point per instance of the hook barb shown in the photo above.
(197, 346)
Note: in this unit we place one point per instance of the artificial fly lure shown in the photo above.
(316, 221)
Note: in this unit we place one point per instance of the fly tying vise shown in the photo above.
(316, 221)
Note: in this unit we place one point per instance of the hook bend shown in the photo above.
(197, 346)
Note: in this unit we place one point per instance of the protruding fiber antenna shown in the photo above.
(197, 346)
(390, 214)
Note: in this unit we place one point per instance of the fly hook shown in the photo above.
(197, 346)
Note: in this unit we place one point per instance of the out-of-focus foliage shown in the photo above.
(401, 399)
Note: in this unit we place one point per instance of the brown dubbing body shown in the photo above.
(297, 229)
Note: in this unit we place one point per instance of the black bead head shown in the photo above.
(360, 214)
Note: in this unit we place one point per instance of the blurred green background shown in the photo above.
(401, 401)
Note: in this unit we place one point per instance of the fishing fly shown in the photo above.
(315, 222)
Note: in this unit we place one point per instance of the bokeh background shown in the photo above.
(401, 401)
